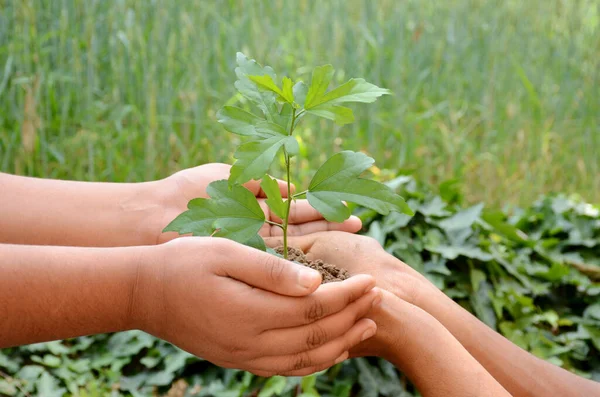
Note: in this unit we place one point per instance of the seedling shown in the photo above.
(232, 211)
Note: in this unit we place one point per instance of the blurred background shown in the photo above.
(503, 96)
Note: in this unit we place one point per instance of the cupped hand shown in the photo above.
(183, 186)
(242, 308)
(361, 255)
(364, 255)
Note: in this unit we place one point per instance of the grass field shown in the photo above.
(501, 95)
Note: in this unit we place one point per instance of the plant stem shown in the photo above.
(275, 224)
(296, 195)
(289, 191)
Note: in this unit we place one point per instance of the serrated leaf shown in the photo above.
(354, 90)
(340, 114)
(321, 77)
(254, 158)
(47, 386)
(338, 179)
(274, 199)
(265, 100)
(266, 83)
(300, 90)
(231, 212)
(238, 120)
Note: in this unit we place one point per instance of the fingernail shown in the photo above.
(307, 278)
(342, 357)
(368, 333)
(377, 299)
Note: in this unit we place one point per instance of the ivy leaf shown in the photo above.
(231, 212)
(255, 157)
(238, 120)
(266, 82)
(265, 100)
(340, 114)
(274, 199)
(338, 179)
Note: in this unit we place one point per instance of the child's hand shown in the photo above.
(183, 186)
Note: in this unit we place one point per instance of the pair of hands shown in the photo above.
(241, 308)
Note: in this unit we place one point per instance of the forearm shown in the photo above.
(49, 293)
(54, 212)
(520, 372)
(431, 357)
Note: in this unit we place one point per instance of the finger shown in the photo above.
(351, 225)
(298, 339)
(328, 299)
(302, 212)
(322, 357)
(306, 371)
(265, 271)
(256, 189)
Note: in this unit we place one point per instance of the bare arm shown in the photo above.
(54, 212)
(188, 292)
(427, 353)
(519, 372)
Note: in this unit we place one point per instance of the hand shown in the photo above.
(242, 308)
(183, 186)
(362, 255)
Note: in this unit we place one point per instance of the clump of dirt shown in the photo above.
(329, 272)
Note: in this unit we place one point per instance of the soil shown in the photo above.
(329, 272)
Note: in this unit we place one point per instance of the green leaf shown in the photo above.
(338, 179)
(238, 121)
(255, 157)
(300, 90)
(274, 199)
(266, 82)
(321, 77)
(462, 220)
(265, 100)
(340, 114)
(47, 386)
(273, 387)
(231, 212)
(287, 91)
(256, 242)
(354, 90)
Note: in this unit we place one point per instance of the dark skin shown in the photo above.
(519, 372)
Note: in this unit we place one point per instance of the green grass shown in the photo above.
(502, 95)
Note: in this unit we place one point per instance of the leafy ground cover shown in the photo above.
(533, 274)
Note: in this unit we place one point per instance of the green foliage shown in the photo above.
(272, 133)
(232, 212)
(532, 274)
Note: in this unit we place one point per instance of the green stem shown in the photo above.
(289, 191)
(296, 195)
(275, 224)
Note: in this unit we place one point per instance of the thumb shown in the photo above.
(271, 273)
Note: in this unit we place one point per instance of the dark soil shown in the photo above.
(329, 272)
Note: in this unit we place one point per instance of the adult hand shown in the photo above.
(242, 308)
(178, 189)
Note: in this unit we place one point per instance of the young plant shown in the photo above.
(232, 211)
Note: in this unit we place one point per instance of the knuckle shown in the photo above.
(315, 311)
(301, 361)
(274, 267)
(316, 337)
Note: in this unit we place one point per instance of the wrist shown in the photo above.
(147, 208)
(146, 309)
